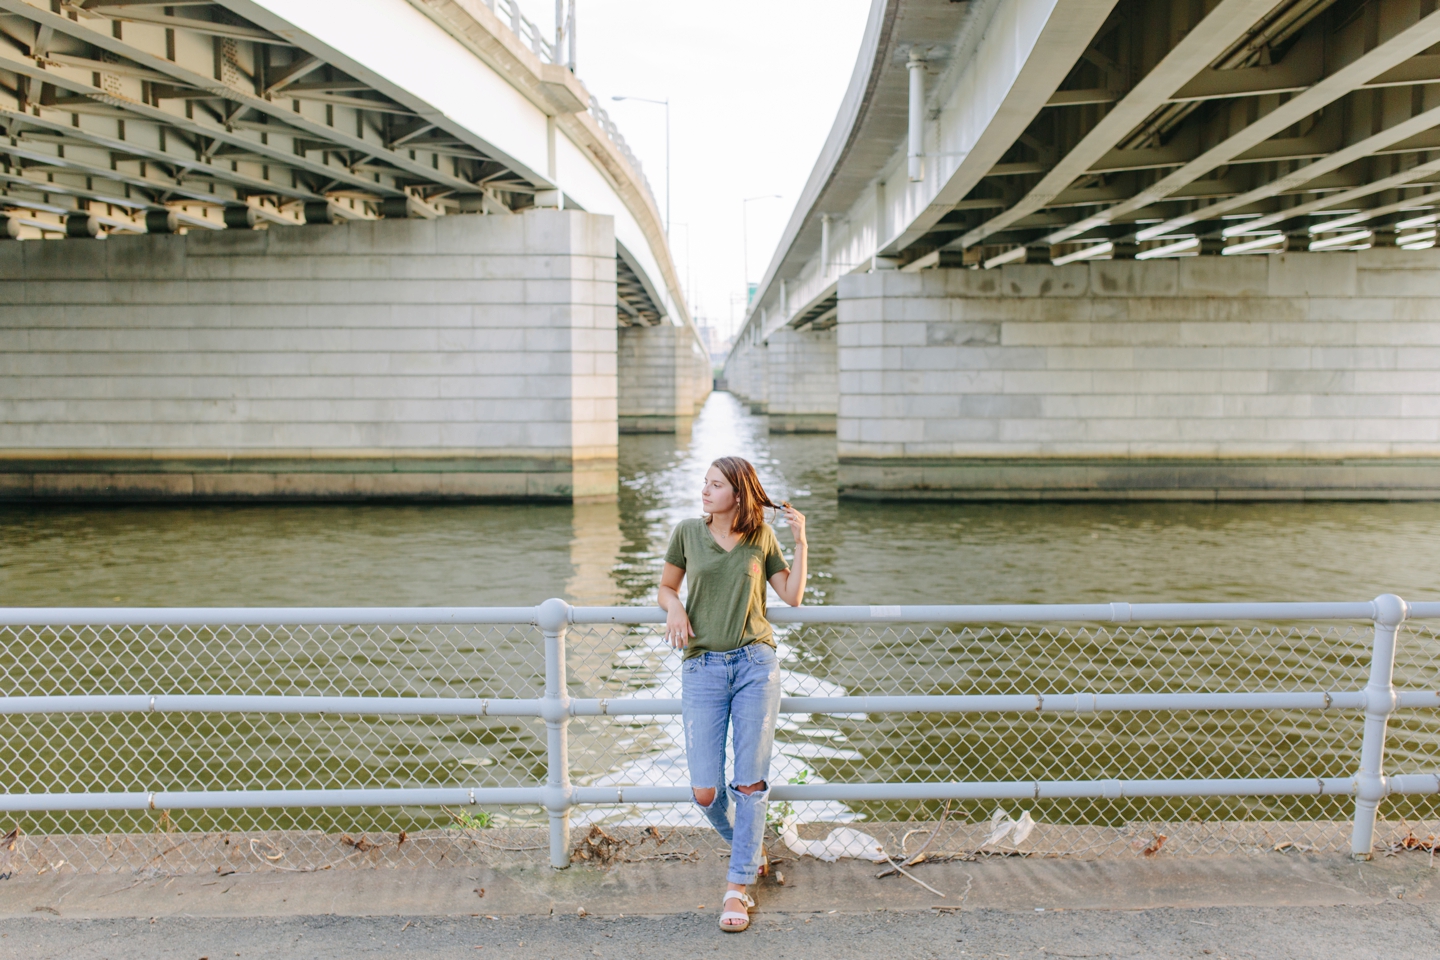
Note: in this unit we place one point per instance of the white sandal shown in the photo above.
(746, 901)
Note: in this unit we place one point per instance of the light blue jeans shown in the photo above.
(738, 689)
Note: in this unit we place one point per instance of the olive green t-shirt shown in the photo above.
(726, 599)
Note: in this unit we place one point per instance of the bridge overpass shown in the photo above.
(391, 248)
(1119, 248)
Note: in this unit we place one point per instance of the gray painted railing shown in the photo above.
(1378, 700)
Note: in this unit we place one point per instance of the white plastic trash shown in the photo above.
(842, 842)
(1002, 825)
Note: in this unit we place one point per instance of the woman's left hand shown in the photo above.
(795, 520)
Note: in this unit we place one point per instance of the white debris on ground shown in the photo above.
(1002, 825)
(841, 842)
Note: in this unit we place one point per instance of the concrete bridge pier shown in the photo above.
(752, 385)
(464, 357)
(801, 388)
(665, 375)
(1289, 376)
(738, 375)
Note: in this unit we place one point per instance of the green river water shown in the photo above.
(861, 552)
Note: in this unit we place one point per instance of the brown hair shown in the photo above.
(750, 498)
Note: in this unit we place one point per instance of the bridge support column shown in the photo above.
(462, 357)
(1289, 376)
(757, 377)
(801, 388)
(739, 371)
(664, 377)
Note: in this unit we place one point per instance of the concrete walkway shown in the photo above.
(1279, 905)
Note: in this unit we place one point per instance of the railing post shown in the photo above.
(570, 36)
(553, 616)
(1371, 785)
(559, 30)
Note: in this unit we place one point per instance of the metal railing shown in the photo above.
(613, 132)
(548, 50)
(78, 669)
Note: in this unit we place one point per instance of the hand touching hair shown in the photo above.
(750, 497)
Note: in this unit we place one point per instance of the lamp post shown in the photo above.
(745, 237)
(666, 104)
(689, 286)
(564, 34)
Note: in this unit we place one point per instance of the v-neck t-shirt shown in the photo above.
(726, 596)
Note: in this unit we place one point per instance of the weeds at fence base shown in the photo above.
(363, 845)
(479, 820)
(1153, 847)
(1412, 842)
(1284, 845)
(598, 847)
(148, 855)
(8, 843)
(601, 848)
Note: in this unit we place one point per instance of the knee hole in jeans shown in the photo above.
(703, 795)
(753, 788)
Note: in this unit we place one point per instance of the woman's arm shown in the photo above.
(790, 584)
(677, 621)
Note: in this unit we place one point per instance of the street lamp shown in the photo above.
(666, 104)
(689, 286)
(745, 237)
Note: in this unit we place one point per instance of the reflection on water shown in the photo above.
(652, 752)
(861, 552)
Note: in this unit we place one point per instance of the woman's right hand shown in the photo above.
(677, 627)
(677, 621)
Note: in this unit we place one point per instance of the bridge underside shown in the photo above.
(315, 281)
(140, 118)
(1245, 126)
(1121, 248)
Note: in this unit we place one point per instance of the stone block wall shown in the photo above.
(1292, 375)
(738, 372)
(747, 376)
(468, 356)
(802, 389)
(696, 359)
(664, 376)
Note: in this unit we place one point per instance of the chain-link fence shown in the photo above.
(147, 739)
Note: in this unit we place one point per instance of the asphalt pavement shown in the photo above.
(1272, 906)
(1395, 930)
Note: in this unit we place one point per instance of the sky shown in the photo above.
(753, 87)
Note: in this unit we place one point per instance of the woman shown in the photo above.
(730, 675)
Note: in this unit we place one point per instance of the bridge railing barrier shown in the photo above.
(613, 132)
(526, 29)
(1277, 725)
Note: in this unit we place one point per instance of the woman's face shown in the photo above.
(717, 496)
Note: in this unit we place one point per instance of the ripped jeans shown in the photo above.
(738, 689)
